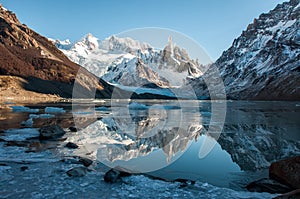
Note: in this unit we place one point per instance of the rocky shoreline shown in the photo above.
(11, 90)
(284, 177)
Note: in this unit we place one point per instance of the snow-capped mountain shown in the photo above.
(96, 55)
(129, 62)
(264, 62)
(163, 68)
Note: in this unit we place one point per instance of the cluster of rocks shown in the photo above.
(79, 171)
(284, 177)
(55, 132)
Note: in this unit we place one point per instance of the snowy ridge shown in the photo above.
(96, 55)
(128, 62)
(263, 63)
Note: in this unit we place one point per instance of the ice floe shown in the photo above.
(54, 110)
(23, 109)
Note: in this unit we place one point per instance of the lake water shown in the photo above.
(226, 144)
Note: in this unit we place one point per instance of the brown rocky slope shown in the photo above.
(26, 54)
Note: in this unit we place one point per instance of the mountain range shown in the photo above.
(44, 69)
(132, 63)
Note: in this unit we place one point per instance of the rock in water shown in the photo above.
(85, 161)
(114, 175)
(73, 129)
(287, 172)
(267, 185)
(71, 145)
(24, 168)
(51, 132)
(77, 172)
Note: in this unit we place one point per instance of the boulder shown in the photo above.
(287, 172)
(71, 145)
(51, 132)
(73, 129)
(24, 168)
(78, 160)
(85, 161)
(77, 172)
(268, 185)
(114, 175)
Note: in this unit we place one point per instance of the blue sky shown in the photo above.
(212, 23)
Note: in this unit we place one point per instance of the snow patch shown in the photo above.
(19, 134)
(281, 26)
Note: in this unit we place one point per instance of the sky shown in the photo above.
(213, 24)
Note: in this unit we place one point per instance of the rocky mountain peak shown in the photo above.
(88, 42)
(176, 58)
(9, 15)
(91, 41)
(263, 62)
(125, 44)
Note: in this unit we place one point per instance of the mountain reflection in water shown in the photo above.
(163, 138)
(146, 136)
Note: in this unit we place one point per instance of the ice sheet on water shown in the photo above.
(101, 108)
(83, 113)
(166, 107)
(41, 115)
(137, 106)
(24, 109)
(47, 176)
(27, 123)
(54, 110)
(19, 134)
(141, 186)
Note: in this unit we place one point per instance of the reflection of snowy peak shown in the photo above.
(131, 63)
(117, 137)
